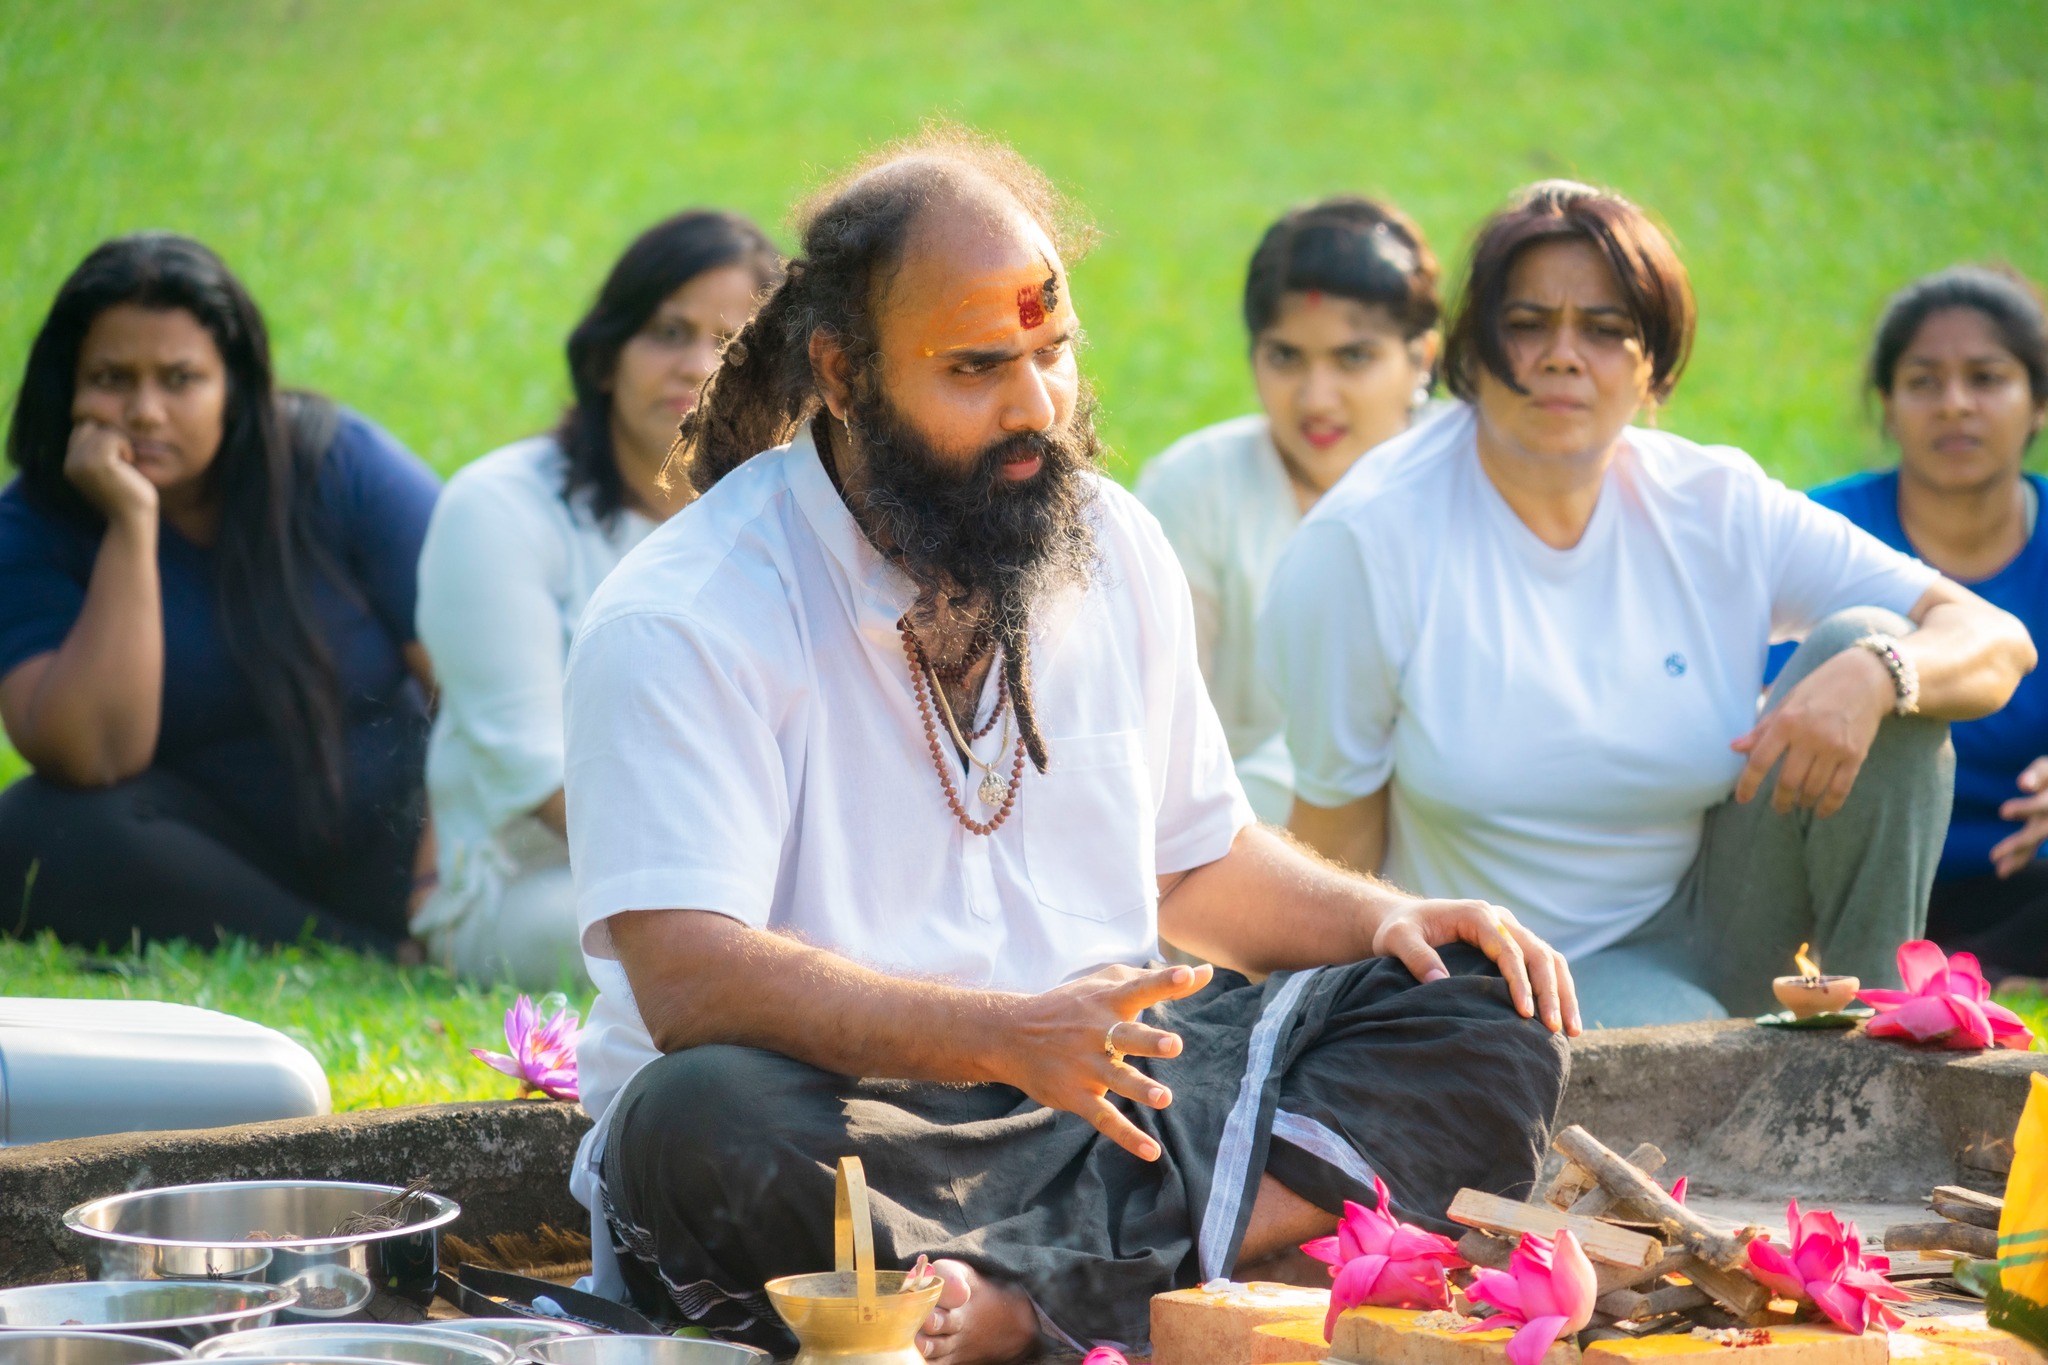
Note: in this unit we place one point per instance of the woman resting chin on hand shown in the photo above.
(206, 646)
(1520, 650)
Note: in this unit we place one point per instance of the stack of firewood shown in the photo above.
(1968, 1225)
(1660, 1265)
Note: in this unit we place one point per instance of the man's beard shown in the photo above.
(989, 543)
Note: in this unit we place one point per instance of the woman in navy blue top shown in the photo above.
(1961, 364)
(206, 639)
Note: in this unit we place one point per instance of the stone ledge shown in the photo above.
(1745, 1111)
(1751, 1111)
(507, 1164)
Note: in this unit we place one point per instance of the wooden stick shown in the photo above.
(1602, 1241)
(1975, 1241)
(1483, 1248)
(1732, 1289)
(1959, 1205)
(1625, 1182)
(1597, 1201)
(1622, 1304)
(1607, 1278)
(1571, 1183)
(1674, 1298)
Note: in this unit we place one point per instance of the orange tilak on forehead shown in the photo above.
(999, 310)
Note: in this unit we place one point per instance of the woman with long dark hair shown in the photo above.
(1340, 311)
(206, 644)
(520, 540)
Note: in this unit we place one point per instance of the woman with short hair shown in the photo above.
(1340, 306)
(1520, 654)
(520, 540)
(206, 643)
(1960, 363)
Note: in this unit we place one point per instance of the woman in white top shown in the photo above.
(1520, 653)
(518, 542)
(1341, 306)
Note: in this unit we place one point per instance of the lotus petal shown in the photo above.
(1537, 1335)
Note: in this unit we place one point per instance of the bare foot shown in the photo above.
(978, 1321)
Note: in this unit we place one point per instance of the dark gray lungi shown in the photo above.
(718, 1167)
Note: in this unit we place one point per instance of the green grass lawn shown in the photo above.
(386, 1035)
(424, 195)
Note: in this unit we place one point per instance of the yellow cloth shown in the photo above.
(2023, 1227)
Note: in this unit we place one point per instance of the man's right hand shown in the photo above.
(101, 465)
(1055, 1049)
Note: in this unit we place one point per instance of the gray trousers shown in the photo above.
(1854, 885)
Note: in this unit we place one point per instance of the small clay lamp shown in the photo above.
(1810, 993)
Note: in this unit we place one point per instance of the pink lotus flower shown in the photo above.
(1104, 1355)
(1827, 1267)
(1678, 1190)
(1546, 1292)
(543, 1057)
(1377, 1259)
(1946, 1001)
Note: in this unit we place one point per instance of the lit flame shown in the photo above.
(1807, 966)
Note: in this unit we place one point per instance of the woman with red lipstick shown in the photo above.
(1520, 651)
(206, 643)
(1961, 365)
(1341, 307)
(520, 540)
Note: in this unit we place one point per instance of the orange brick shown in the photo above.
(1215, 1326)
(1797, 1344)
(1283, 1343)
(1970, 1333)
(1392, 1336)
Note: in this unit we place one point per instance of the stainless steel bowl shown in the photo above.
(182, 1311)
(517, 1333)
(410, 1343)
(73, 1347)
(204, 1230)
(599, 1349)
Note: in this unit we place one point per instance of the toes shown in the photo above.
(956, 1283)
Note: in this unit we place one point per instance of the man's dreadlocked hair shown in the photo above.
(852, 234)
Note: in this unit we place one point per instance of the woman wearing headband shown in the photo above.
(1340, 305)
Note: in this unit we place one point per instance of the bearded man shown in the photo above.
(889, 763)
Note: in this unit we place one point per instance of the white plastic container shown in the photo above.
(81, 1068)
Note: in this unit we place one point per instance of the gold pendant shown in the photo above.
(994, 788)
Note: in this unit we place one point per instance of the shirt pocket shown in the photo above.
(1088, 827)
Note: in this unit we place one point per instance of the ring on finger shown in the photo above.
(1116, 1054)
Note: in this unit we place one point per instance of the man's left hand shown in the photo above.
(1539, 980)
(1823, 730)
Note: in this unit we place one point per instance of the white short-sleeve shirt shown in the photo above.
(1554, 723)
(506, 570)
(1227, 507)
(743, 738)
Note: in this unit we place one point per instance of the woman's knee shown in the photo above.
(1835, 634)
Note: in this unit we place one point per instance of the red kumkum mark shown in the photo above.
(1030, 307)
(1315, 298)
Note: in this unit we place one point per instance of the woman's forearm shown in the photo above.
(1970, 655)
(1354, 834)
(88, 714)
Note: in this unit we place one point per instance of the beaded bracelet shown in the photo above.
(1905, 677)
